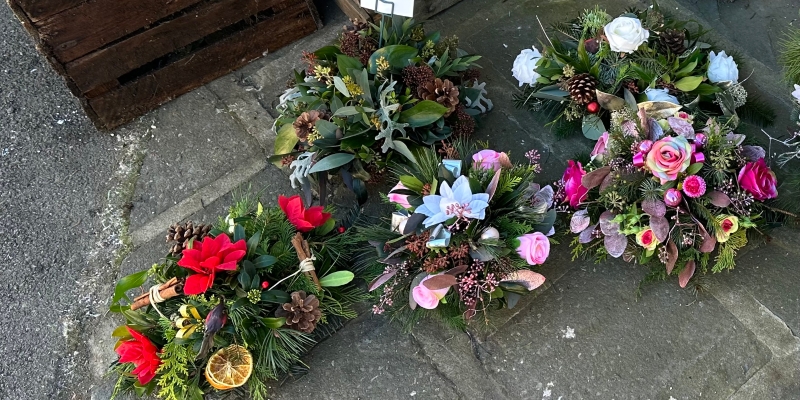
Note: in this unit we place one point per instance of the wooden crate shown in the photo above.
(423, 9)
(123, 58)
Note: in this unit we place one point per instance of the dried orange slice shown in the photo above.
(229, 367)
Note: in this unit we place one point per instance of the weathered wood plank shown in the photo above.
(112, 62)
(39, 9)
(80, 30)
(135, 98)
(423, 9)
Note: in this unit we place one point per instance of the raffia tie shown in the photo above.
(307, 265)
(155, 297)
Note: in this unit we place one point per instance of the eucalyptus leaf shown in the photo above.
(337, 278)
(332, 161)
(592, 126)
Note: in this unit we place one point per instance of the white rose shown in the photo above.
(660, 95)
(525, 65)
(796, 92)
(722, 68)
(625, 34)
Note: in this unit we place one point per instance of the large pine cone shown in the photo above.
(442, 92)
(302, 313)
(582, 88)
(182, 235)
(305, 123)
(673, 40)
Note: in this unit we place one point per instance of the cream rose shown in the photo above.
(722, 68)
(625, 34)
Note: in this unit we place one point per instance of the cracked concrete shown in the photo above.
(101, 203)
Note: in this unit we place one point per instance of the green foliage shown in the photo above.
(727, 251)
(174, 380)
(789, 56)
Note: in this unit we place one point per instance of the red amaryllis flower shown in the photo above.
(140, 351)
(573, 189)
(207, 257)
(303, 219)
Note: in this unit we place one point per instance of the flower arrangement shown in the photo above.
(381, 92)
(231, 308)
(463, 239)
(641, 56)
(667, 190)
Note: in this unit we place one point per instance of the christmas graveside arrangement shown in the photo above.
(642, 56)
(464, 238)
(372, 99)
(679, 193)
(231, 308)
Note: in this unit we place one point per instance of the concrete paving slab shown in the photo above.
(589, 337)
(770, 274)
(194, 142)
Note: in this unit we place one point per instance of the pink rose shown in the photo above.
(757, 179)
(534, 248)
(600, 147)
(401, 199)
(669, 157)
(425, 297)
(575, 191)
(489, 159)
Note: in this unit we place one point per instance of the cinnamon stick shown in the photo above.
(303, 252)
(167, 290)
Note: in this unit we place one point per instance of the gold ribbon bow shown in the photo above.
(189, 321)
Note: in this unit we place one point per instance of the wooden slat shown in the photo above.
(114, 61)
(39, 9)
(119, 106)
(423, 9)
(89, 26)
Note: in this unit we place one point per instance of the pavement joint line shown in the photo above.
(196, 202)
(768, 328)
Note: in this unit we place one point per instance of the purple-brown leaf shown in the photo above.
(607, 181)
(681, 127)
(753, 153)
(377, 282)
(441, 281)
(531, 280)
(660, 227)
(719, 199)
(709, 242)
(607, 225)
(587, 235)
(456, 270)
(493, 184)
(672, 256)
(616, 244)
(686, 273)
(654, 207)
(580, 220)
(595, 178)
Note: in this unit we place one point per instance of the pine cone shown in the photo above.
(581, 88)
(672, 40)
(302, 313)
(442, 92)
(182, 235)
(305, 123)
(416, 76)
(632, 87)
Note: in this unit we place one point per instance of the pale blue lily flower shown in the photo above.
(457, 201)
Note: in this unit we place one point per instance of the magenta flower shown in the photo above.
(694, 186)
(574, 190)
(757, 179)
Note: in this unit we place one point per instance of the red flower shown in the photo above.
(302, 219)
(573, 189)
(208, 257)
(140, 351)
